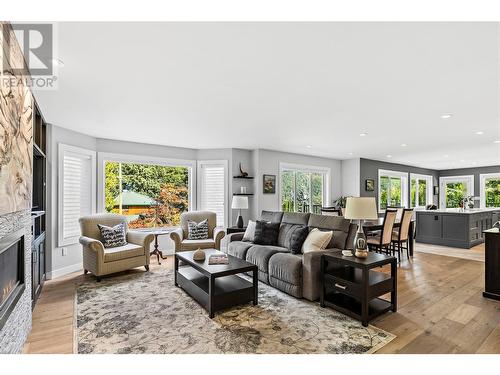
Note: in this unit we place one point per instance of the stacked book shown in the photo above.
(218, 259)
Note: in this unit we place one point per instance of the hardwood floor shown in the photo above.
(440, 310)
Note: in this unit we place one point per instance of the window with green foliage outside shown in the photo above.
(149, 195)
(301, 191)
(492, 192)
(390, 192)
(418, 192)
(455, 192)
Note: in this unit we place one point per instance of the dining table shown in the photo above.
(373, 225)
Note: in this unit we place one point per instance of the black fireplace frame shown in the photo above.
(11, 302)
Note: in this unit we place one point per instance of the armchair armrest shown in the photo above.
(219, 234)
(177, 236)
(140, 238)
(92, 244)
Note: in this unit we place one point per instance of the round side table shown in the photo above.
(157, 251)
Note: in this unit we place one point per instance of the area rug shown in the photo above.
(145, 313)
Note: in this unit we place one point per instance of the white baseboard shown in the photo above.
(64, 271)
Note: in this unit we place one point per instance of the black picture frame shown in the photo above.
(369, 184)
(269, 184)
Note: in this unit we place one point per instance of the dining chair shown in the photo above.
(382, 241)
(399, 214)
(401, 235)
(331, 211)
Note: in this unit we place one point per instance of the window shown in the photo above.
(302, 188)
(76, 190)
(490, 190)
(212, 188)
(150, 193)
(453, 189)
(392, 189)
(420, 190)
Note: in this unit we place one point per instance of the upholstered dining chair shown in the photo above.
(104, 261)
(180, 235)
(382, 242)
(401, 235)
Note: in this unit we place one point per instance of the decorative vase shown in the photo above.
(199, 255)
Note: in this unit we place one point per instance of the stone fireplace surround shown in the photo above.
(14, 333)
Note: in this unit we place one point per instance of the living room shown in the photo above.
(249, 188)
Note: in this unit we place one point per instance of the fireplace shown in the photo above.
(12, 283)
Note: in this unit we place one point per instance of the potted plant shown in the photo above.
(340, 203)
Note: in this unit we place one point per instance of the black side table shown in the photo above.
(230, 230)
(351, 286)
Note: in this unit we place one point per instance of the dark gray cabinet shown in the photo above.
(456, 229)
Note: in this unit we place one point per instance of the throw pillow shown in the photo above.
(286, 234)
(197, 231)
(299, 235)
(266, 233)
(316, 240)
(249, 232)
(113, 236)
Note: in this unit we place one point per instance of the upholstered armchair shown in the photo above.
(180, 235)
(103, 261)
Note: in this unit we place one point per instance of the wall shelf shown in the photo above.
(243, 177)
(244, 194)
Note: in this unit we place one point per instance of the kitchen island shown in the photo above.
(455, 227)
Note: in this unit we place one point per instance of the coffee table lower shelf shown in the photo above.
(227, 291)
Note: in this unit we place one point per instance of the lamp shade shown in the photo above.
(239, 202)
(361, 208)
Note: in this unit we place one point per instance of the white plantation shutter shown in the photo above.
(212, 188)
(76, 190)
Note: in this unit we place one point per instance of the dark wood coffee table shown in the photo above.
(216, 287)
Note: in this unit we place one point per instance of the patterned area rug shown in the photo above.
(145, 313)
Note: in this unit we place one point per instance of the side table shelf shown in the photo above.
(351, 286)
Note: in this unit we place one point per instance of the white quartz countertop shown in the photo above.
(459, 211)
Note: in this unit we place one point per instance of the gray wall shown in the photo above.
(369, 170)
(471, 171)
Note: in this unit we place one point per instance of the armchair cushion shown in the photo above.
(195, 244)
(130, 250)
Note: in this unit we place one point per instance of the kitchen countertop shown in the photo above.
(459, 211)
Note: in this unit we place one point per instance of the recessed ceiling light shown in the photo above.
(350, 153)
(58, 62)
(363, 134)
(309, 146)
(462, 161)
(403, 145)
(447, 115)
(496, 141)
(479, 133)
(389, 156)
(446, 156)
(474, 163)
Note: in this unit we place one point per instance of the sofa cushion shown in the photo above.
(130, 250)
(287, 268)
(317, 240)
(295, 218)
(337, 224)
(260, 255)
(272, 216)
(250, 231)
(239, 248)
(292, 236)
(266, 233)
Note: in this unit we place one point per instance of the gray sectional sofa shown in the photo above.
(295, 274)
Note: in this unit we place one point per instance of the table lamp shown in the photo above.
(360, 208)
(239, 203)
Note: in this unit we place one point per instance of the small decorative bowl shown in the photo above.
(199, 255)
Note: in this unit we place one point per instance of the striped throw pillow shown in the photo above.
(197, 231)
(113, 236)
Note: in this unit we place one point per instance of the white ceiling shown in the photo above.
(287, 86)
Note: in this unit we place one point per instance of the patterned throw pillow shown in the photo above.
(113, 236)
(197, 231)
